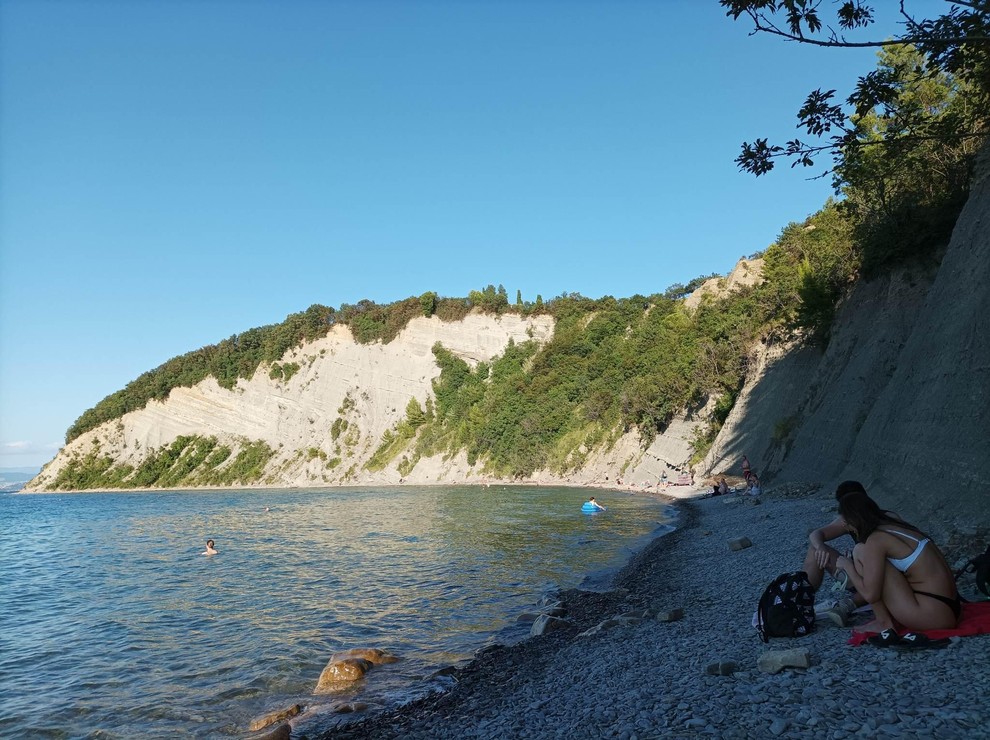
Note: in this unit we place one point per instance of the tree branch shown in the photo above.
(834, 43)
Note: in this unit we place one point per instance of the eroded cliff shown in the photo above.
(899, 400)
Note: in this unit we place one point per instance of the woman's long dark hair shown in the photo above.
(848, 486)
(864, 515)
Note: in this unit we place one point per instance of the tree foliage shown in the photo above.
(955, 44)
(240, 355)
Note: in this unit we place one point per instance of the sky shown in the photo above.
(174, 172)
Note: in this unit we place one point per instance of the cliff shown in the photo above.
(899, 400)
(323, 425)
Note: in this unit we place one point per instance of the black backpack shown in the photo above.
(787, 607)
(980, 567)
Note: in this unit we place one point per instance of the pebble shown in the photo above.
(778, 726)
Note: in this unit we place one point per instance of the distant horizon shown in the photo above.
(22, 470)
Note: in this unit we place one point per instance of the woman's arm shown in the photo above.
(866, 569)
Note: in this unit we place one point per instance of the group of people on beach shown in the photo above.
(752, 482)
(894, 567)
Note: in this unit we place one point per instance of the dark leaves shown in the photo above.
(817, 116)
(854, 14)
(757, 157)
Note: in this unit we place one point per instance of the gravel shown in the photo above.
(649, 679)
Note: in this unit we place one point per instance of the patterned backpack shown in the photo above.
(787, 607)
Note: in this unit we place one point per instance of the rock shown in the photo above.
(620, 621)
(723, 668)
(282, 732)
(450, 670)
(372, 655)
(637, 614)
(669, 615)
(527, 617)
(346, 707)
(740, 543)
(777, 660)
(341, 673)
(778, 726)
(273, 717)
(545, 623)
(555, 611)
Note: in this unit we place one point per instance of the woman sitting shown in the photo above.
(897, 569)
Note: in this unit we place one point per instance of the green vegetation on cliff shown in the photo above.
(614, 364)
(187, 461)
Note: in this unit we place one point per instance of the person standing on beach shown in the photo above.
(747, 469)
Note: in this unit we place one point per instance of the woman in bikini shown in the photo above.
(897, 569)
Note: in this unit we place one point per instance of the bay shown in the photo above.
(114, 624)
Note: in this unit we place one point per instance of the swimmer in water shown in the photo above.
(210, 550)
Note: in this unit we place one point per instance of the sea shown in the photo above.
(114, 624)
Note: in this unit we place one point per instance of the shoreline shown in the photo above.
(651, 678)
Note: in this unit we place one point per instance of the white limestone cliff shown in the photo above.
(295, 417)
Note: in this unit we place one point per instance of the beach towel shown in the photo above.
(975, 620)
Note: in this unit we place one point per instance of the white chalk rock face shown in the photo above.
(368, 386)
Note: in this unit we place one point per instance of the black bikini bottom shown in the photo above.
(954, 604)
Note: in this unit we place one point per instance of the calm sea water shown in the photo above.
(113, 625)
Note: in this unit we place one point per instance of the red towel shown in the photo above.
(975, 620)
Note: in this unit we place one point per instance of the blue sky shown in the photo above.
(172, 173)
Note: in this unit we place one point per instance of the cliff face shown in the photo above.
(900, 400)
(365, 386)
(323, 424)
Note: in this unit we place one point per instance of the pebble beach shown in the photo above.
(698, 675)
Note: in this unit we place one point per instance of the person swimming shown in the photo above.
(595, 504)
(210, 549)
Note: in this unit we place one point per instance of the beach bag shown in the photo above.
(979, 567)
(787, 607)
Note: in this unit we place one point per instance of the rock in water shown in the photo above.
(372, 655)
(340, 673)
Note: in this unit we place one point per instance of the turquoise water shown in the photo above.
(113, 624)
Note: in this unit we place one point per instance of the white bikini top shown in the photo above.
(902, 564)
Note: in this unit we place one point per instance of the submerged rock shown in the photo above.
(273, 717)
(341, 673)
(282, 732)
(372, 655)
(545, 623)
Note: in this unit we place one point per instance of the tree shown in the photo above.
(956, 43)
(428, 302)
(905, 195)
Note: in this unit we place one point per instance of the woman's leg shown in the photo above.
(900, 604)
(816, 573)
(883, 619)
